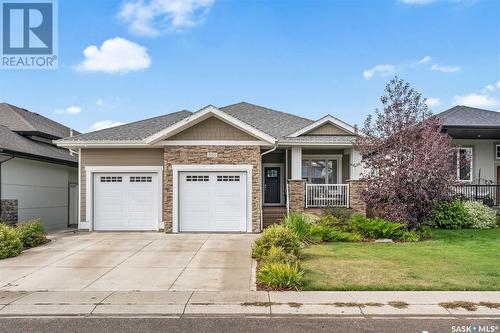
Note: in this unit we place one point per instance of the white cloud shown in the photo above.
(382, 70)
(497, 85)
(476, 100)
(105, 124)
(431, 102)
(489, 88)
(151, 17)
(99, 102)
(416, 2)
(116, 55)
(445, 69)
(69, 110)
(424, 60)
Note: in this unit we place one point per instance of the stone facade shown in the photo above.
(9, 212)
(296, 195)
(191, 155)
(356, 201)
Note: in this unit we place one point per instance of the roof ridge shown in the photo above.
(263, 107)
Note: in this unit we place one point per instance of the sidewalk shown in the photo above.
(259, 303)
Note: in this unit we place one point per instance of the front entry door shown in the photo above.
(272, 185)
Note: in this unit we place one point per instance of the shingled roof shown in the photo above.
(19, 129)
(274, 123)
(466, 116)
(24, 121)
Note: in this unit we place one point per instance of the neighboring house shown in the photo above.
(229, 169)
(477, 133)
(38, 179)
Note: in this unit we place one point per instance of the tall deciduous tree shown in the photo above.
(406, 156)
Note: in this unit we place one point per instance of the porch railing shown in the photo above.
(487, 194)
(327, 195)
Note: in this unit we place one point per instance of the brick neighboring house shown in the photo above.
(37, 179)
(230, 169)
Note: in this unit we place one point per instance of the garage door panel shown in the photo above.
(125, 201)
(212, 201)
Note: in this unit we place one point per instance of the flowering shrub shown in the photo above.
(480, 216)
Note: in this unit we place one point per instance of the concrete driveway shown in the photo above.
(133, 262)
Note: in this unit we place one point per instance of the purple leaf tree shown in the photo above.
(407, 157)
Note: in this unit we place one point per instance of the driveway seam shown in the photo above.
(184, 269)
(187, 302)
(112, 268)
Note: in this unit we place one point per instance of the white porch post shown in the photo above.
(356, 166)
(297, 163)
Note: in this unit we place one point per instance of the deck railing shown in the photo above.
(327, 195)
(487, 194)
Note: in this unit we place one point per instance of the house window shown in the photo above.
(464, 164)
(497, 152)
(320, 171)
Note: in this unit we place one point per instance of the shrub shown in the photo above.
(479, 215)
(375, 228)
(425, 231)
(316, 233)
(450, 215)
(10, 243)
(342, 213)
(299, 224)
(410, 236)
(334, 235)
(335, 222)
(280, 275)
(278, 255)
(32, 233)
(278, 236)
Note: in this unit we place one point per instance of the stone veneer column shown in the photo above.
(191, 155)
(296, 195)
(9, 212)
(356, 200)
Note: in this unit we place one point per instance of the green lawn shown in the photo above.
(453, 260)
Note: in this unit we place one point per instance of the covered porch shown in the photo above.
(306, 177)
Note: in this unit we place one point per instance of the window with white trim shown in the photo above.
(464, 164)
(320, 171)
(497, 152)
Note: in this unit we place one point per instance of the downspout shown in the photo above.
(261, 176)
(1, 162)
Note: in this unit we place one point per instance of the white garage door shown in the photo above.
(125, 201)
(212, 201)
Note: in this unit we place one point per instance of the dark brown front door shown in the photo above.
(272, 185)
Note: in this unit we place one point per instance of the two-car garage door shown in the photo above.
(207, 201)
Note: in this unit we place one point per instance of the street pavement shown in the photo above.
(245, 324)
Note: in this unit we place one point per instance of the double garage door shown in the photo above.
(207, 201)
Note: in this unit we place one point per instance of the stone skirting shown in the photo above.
(356, 200)
(212, 155)
(9, 211)
(296, 195)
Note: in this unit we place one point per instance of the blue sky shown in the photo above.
(308, 58)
